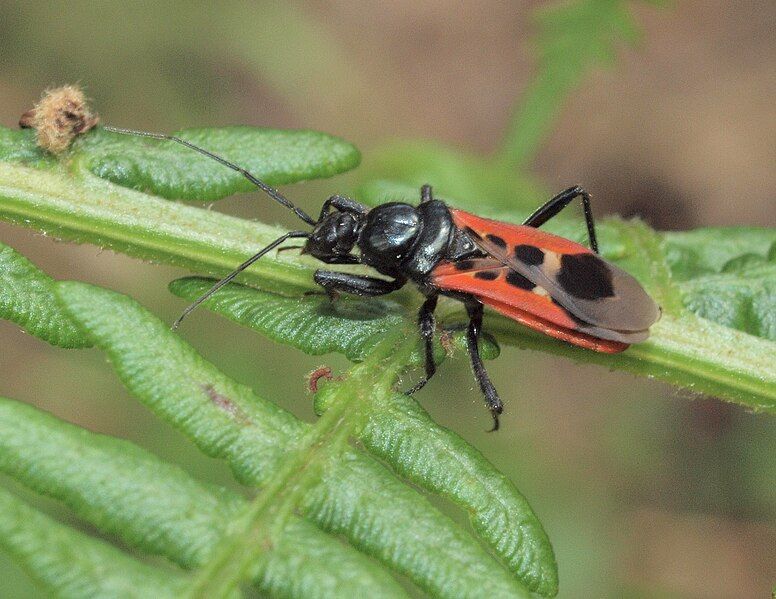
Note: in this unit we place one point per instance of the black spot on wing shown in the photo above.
(515, 279)
(472, 233)
(585, 276)
(529, 254)
(464, 265)
(487, 275)
(496, 240)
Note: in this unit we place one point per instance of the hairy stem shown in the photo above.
(85, 208)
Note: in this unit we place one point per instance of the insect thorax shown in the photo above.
(400, 239)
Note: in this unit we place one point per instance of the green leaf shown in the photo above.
(728, 276)
(170, 170)
(126, 492)
(312, 323)
(402, 434)
(225, 419)
(67, 563)
(355, 497)
(743, 296)
(574, 37)
(19, 145)
(707, 251)
(317, 325)
(27, 298)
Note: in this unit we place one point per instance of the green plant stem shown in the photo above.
(684, 352)
(264, 519)
(84, 208)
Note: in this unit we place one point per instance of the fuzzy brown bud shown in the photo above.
(59, 117)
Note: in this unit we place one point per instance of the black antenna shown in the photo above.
(270, 191)
(237, 271)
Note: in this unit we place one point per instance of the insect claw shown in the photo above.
(495, 422)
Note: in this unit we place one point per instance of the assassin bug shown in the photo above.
(548, 283)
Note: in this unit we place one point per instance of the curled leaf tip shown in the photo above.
(322, 372)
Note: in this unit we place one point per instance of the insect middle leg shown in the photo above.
(427, 326)
(335, 282)
(558, 203)
(475, 310)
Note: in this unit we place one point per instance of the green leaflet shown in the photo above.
(172, 171)
(67, 563)
(743, 297)
(355, 497)
(401, 433)
(312, 323)
(706, 251)
(225, 419)
(27, 298)
(728, 276)
(127, 492)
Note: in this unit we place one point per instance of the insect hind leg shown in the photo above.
(558, 203)
(476, 310)
(427, 325)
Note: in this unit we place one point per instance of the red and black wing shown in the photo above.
(550, 284)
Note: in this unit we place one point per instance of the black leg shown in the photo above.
(426, 194)
(334, 282)
(343, 259)
(343, 204)
(427, 325)
(558, 203)
(492, 400)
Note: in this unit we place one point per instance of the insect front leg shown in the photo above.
(558, 203)
(343, 204)
(475, 310)
(427, 326)
(342, 282)
(426, 194)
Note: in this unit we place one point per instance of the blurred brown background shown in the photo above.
(644, 491)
